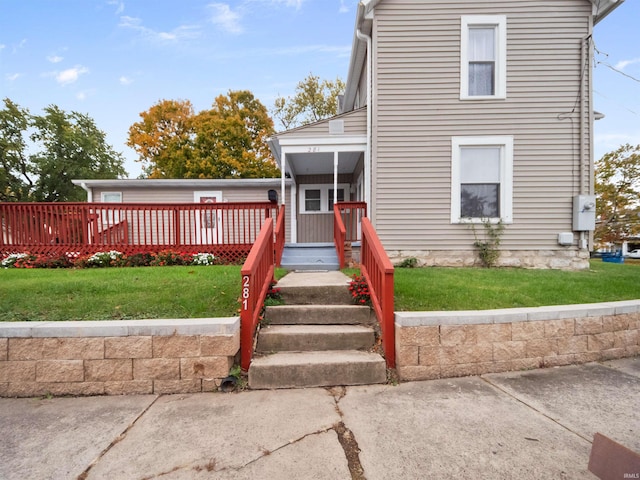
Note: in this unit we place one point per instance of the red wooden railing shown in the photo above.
(339, 235)
(225, 229)
(347, 218)
(352, 214)
(257, 275)
(378, 271)
(280, 235)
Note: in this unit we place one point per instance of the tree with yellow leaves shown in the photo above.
(227, 141)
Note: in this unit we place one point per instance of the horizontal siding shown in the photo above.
(355, 123)
(418, 110)
(185, 195)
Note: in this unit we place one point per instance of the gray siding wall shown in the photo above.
(185, 195)
(418, 110)
(355, 123)
(316, 227)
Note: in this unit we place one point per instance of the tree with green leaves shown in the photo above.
(618, 195)
(314, 100)
(41, 154)
(227, 141)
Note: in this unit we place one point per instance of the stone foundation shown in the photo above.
(116, 357)
(433, 345)
(540, 259)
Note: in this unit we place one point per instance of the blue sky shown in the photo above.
(113, 59)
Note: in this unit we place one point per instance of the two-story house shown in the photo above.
(458, 113)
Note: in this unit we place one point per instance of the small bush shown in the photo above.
(359, 290)
(170, 258)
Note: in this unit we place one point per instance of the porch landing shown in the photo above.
(310, 256)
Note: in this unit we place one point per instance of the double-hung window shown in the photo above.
(482, 179)
(319, 198)
(483, 57)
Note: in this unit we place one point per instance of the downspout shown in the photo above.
(89, 192)
(368, 154)
(585, 116)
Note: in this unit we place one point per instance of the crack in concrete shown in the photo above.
(531, 407)
(346, 437)
(117, 440)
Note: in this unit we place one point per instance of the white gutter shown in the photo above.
(89, 192)
(368, 153)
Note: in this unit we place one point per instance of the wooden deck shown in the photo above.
(228, 230)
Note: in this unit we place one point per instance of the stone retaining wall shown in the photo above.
(565, 259)
(116, 357)
(450, 344)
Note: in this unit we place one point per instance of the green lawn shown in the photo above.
(118, 293)
(182, 292)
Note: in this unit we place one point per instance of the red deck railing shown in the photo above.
(227, 230)
(347, 220)
(280, 235)
(257, 275)
(378, 271)
(339, 235)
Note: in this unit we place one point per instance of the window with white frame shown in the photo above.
(111, 197)
(482, 179)
(483, 57)
(319, 198)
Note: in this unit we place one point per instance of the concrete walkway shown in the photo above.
(535, 424)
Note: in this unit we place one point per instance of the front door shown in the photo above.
(209, 221)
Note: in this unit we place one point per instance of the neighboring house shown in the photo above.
(454, 113)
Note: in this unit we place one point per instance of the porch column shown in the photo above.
(282, 179)
(335, 177)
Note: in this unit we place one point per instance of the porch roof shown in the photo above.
(310, 149)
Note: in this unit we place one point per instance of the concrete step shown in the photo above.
(318, 315)
(305, 338)
(310, 256)
(315, 288)
(316, 369)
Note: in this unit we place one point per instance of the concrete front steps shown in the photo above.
(310, 256)
(325, 343)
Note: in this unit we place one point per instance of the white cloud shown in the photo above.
(119, 6)
(125, 80)
(179, 33)
(621, 65)
(55, 58)
(70, 75)
(2, 46)
(13, 77)
(226, 18)
(343, 8)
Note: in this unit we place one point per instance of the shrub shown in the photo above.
(112, 258)
(142, 259)
(169, 258)
(203, 259)
(359, 290)
(10, 260)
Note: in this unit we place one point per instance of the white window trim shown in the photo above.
(324, 196)
(104, 194)
(506, 176)
(499, 21)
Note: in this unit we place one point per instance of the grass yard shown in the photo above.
(481, 289)
(118, 293)
(182, 292)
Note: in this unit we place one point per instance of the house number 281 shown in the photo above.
(245, 292)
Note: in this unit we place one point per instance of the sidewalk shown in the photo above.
(535, 424)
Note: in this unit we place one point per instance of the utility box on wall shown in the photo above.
(584, 213)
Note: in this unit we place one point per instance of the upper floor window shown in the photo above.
(483, 57)
(482, 178)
